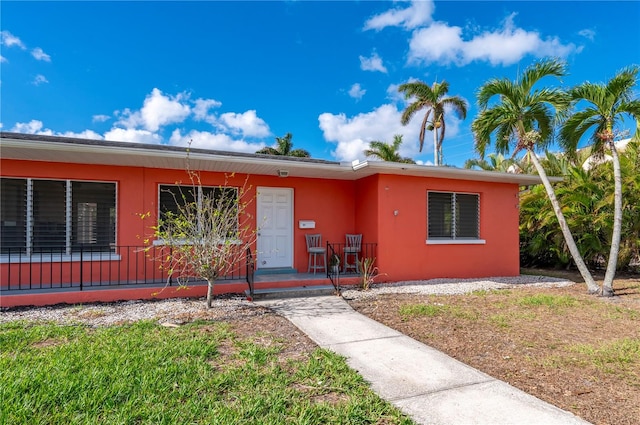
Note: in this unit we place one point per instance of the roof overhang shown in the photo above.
(82, 151)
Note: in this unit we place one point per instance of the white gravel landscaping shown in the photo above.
(455, 286)
(181, 310)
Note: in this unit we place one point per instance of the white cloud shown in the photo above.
(3, 59)
(248, 123)
(40, 55)
(588, 34)
(394, 95)
(117, 134)
(37, 127)
(40, 79)
(128, 118)
(436, 43)
(86, 134)
(100, 118)
(356, 91)
(158, 110)
(31, 127)
(353, 134)
(373, 63)
(9, 40)
(202, 106)
(444, 44)
(417, 14)
(207, 140)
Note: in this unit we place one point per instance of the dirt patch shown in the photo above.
(576, 351)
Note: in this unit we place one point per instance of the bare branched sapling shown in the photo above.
(207, 232)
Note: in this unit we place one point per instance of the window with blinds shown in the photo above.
(60, 216)
(453, 215)
(13, 215)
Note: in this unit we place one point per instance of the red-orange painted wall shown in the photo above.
(400, 204)
(330, 203)
(366, 206)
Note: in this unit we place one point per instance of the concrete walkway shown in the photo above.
(429, 386)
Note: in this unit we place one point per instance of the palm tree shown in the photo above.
(524, 118)
(607, 104)
(496, 162)
(388, 151)
(435, 100)
(284, 147)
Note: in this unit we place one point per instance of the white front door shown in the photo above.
(275, 228)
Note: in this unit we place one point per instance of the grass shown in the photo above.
(433, 310)
(548, 300)
(616, 356)
(144, 373)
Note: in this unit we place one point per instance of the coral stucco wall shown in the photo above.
(389, 210)
(330, 203)
(403, 252)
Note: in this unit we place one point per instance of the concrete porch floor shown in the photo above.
(71, 294)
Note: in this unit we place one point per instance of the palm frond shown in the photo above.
(539, 70)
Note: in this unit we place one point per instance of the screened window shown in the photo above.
(173, 199)
(453, 215)
(60, 216)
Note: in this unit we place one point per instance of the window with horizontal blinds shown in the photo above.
(92, 214)
(467, 216)
(440, 215)
(13, 214)
(49, 216)
(453, 215)
(58, 216)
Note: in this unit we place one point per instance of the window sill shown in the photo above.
(58, 258)
(160, 242)
(456, 242)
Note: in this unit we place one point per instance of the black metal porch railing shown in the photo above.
(333, 271)
(98, 267)
(251, 268)
(344, 262)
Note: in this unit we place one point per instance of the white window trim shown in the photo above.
(59, 258)
(181, 242)
(454, 241)
(69, 256)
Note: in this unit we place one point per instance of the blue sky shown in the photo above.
(234, 75)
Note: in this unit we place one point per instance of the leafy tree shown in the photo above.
(435, 100)
(630, 170)
(284, 147)
(586, 194)
(523, 119)
(607, 105)
(388, 151)
(208, 235)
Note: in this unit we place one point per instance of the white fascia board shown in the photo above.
(383, 167)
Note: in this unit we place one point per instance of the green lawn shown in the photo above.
(198, 373)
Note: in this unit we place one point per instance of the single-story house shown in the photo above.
(71, 215)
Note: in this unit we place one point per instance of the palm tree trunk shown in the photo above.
(435, 146)
(592, 287)
(607, 286)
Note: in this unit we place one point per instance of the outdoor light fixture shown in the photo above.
(283, 173)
